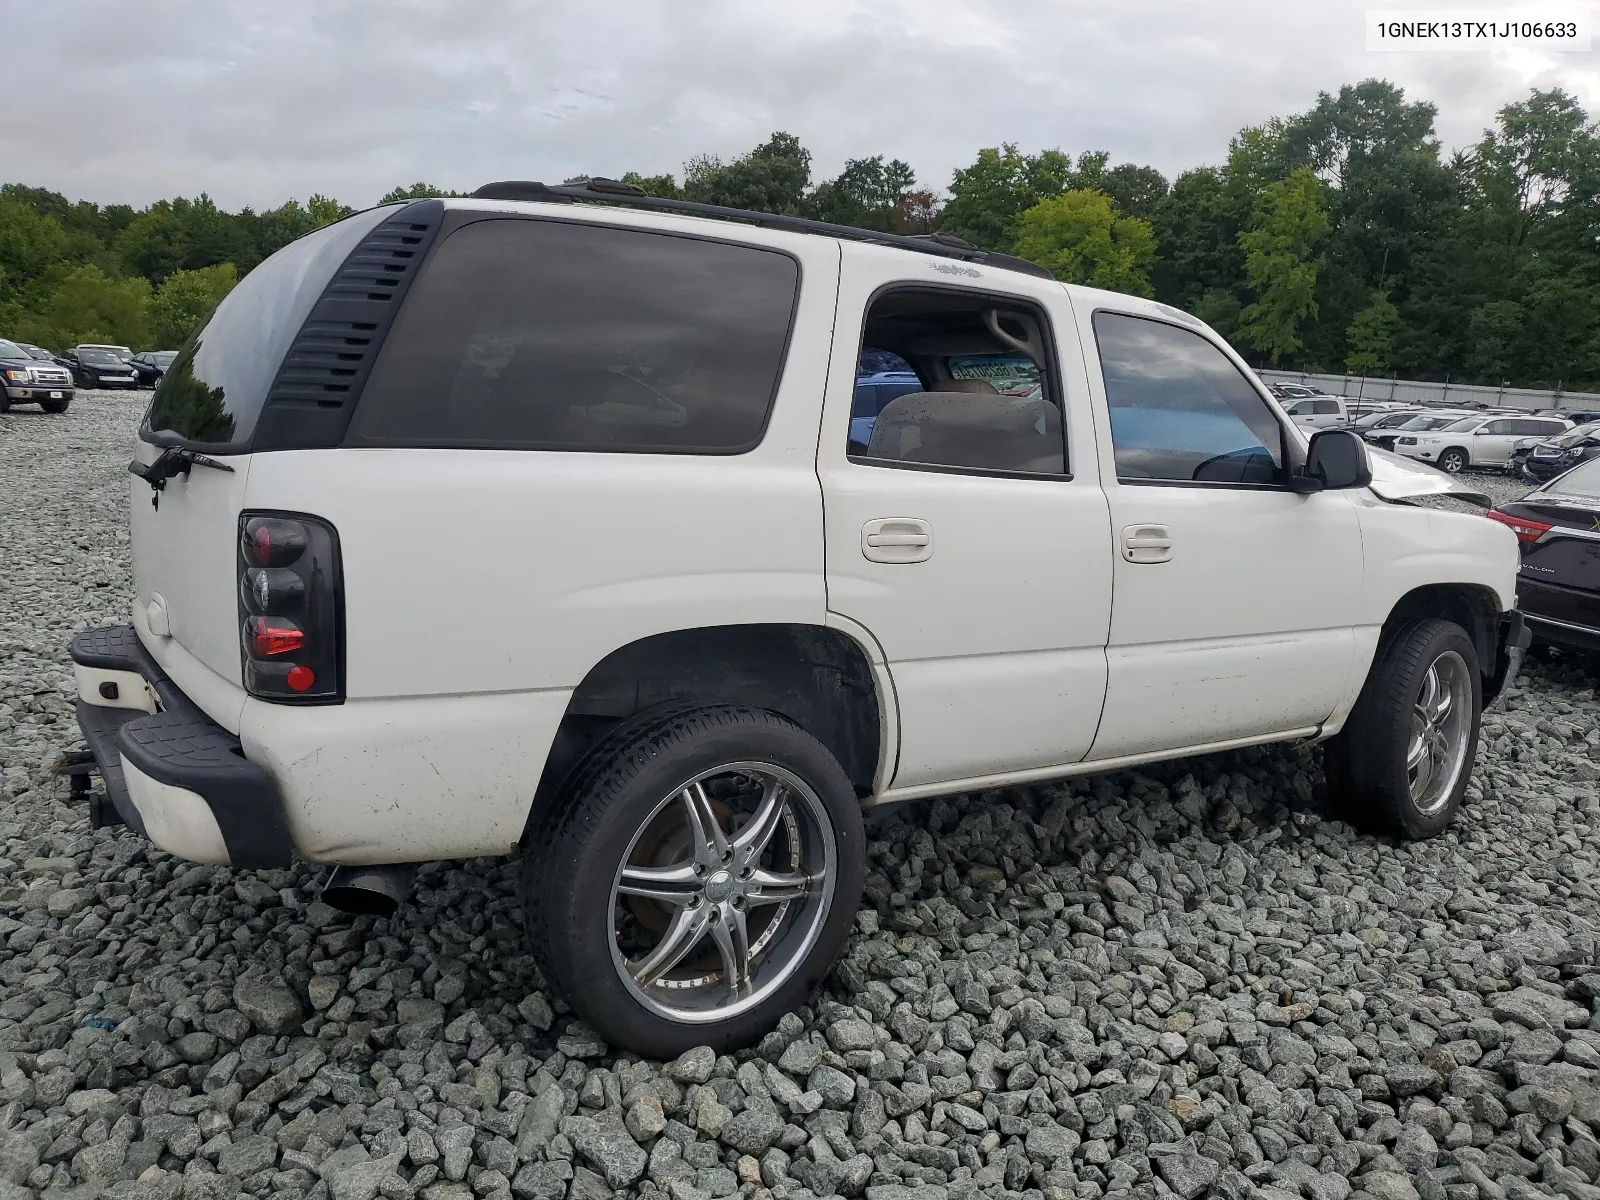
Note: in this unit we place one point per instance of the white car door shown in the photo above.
(958, 537)
(1234, 596)
(1492, 441)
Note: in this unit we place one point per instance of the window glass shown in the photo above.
(984, 411)
(1544, 427)
(553, 335)
(213, 392)
(1302, 409)
(1580, 481)
(1497, 427)
(1325, 408)
(1463, 425)
(10, 350)
(1180, 409)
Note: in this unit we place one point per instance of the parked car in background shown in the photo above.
(1576, 416)
(26, 380)
(1295, 391)
(873, 391)
(1318, 412)
(1386, 418)
(1387, 438)
(1484, 440)
(377, 659)
(1558, 583)
(152, 365)
(122, 352)
(37, 353)
(98, 367)
(1554, 456)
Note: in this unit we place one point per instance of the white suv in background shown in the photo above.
(1480, 441)
(522, 523)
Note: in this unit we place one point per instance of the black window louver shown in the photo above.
(320, 379)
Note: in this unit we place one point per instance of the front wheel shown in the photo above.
(54, 406)
(1453, 462)
(696, 878)
(1400, 765)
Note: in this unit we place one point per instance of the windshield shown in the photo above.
(1463, 425)
(37, 352)
(99, 358)
(1425, 422)
(163, 358)
(1573, 436)
(11, 350)
(1580, 481)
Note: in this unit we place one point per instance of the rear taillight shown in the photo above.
(291, 608)
(1526, 530)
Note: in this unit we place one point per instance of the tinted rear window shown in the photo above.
(212, 393)
(550, 335)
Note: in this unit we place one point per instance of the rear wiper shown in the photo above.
(175, 460)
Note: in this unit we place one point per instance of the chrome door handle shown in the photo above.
(897, 540)
(1147, 544)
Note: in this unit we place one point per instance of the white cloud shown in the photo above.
(132, 100)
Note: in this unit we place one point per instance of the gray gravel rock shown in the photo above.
(1190, 979)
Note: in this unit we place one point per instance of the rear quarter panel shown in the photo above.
(481, 587)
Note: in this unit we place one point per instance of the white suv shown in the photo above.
(1480, 441)
(529, 523)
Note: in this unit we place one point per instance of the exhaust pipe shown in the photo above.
(369, 891)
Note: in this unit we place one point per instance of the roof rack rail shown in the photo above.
(612, 191)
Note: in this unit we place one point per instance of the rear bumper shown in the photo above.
(1565, 633)
(171, 772)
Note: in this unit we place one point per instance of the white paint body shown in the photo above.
(481, 587)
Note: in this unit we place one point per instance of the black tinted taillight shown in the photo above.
(291, 610)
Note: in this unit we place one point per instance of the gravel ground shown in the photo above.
(1184, 980)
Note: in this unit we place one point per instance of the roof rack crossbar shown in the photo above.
(610, 191)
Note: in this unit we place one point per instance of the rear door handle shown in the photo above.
(897, 540)
(1147, 544)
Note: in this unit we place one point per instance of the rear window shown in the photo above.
(1324, 408)
(213, 392)
(554, 335)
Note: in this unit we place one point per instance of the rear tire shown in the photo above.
(1453, 461)
(689, 847)
(1401, 764)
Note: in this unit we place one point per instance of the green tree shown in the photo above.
(868, 193)
(1136, 191)
(1287, 225)
(90, 306)
(417, 191)
(1371, 337)
(185, 300)
(31, 243)
(1078, 237)
(772, 178)
(987, 198)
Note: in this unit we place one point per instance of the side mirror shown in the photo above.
(1337, 459)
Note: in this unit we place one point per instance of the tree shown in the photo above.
(772, 178)
(185, 300)
(417, 191)
(1287, 224)
(30, 243)
(868, 193)
(1003, 183)
(90, 306)
(1078, 238)
(1136, 191)
(1371, 336)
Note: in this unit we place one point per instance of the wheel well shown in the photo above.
(816, 676)
(1473, 607)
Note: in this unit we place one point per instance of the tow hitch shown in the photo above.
(80, 768)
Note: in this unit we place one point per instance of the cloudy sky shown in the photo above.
(132, 100)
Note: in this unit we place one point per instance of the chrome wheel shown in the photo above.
(1441, 729)
(723, 892)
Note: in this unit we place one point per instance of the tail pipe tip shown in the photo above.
(369, 891)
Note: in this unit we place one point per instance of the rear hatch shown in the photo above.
(210, 403)
(1560, 575)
